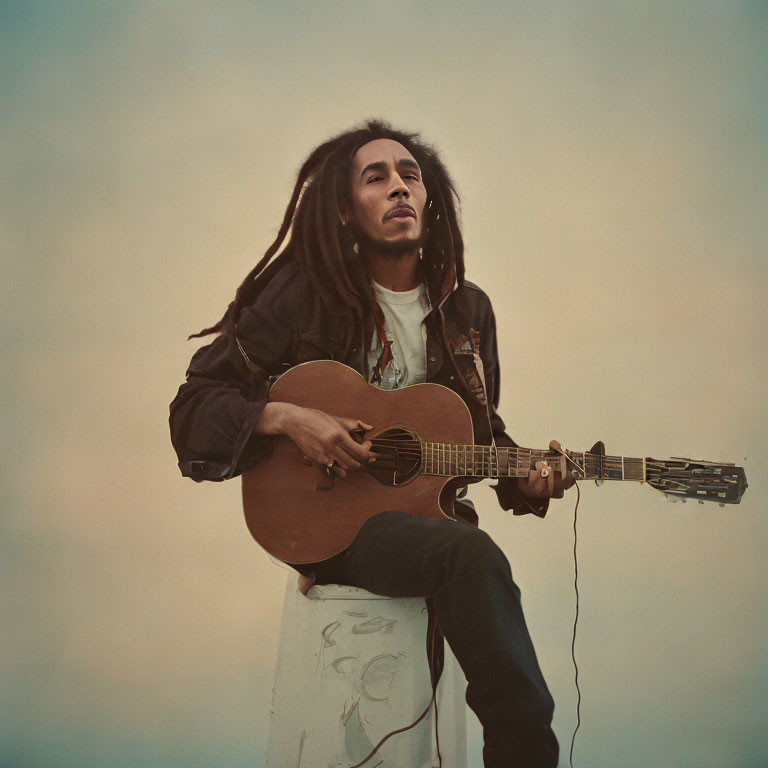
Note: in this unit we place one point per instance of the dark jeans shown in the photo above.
(477, 606)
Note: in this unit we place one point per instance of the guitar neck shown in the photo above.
(493, 462)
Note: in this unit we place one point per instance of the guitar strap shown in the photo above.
(385, 358)
(251, 367)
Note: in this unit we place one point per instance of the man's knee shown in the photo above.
(474, 547)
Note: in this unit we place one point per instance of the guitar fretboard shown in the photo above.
(457, 460)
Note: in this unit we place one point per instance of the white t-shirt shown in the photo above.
(406, 334)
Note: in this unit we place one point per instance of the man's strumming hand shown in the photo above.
(327, 440)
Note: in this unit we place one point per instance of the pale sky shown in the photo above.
(613, 163)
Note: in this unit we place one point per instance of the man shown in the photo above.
(373, 275)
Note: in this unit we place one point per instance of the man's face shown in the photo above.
(388, 196)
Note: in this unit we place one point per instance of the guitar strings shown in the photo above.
(452, 448)
(462, 460)
(449, 450)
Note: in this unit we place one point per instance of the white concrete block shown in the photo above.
(351, 667)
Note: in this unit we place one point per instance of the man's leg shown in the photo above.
(477, 605)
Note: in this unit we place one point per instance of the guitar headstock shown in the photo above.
(685, 479)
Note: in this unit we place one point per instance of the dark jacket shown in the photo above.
(213, 416)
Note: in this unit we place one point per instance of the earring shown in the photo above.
(356, 247)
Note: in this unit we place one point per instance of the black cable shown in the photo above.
(575, 621)
(432, 703)
(434, 699)
(394, 733)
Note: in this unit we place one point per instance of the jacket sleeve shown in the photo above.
(506, 489)
(213, 416)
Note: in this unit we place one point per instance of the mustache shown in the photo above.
(399, 207)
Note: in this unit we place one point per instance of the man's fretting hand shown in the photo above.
(547, 484)
(325, 439)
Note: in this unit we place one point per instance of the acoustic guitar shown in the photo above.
(301, 513)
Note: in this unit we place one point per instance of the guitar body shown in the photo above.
(289, 508)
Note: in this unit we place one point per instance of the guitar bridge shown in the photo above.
(325, 478)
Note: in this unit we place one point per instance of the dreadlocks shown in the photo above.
(324, 251)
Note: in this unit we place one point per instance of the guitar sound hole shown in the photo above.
(398, 456)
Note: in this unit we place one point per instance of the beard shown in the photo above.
(396, 250)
